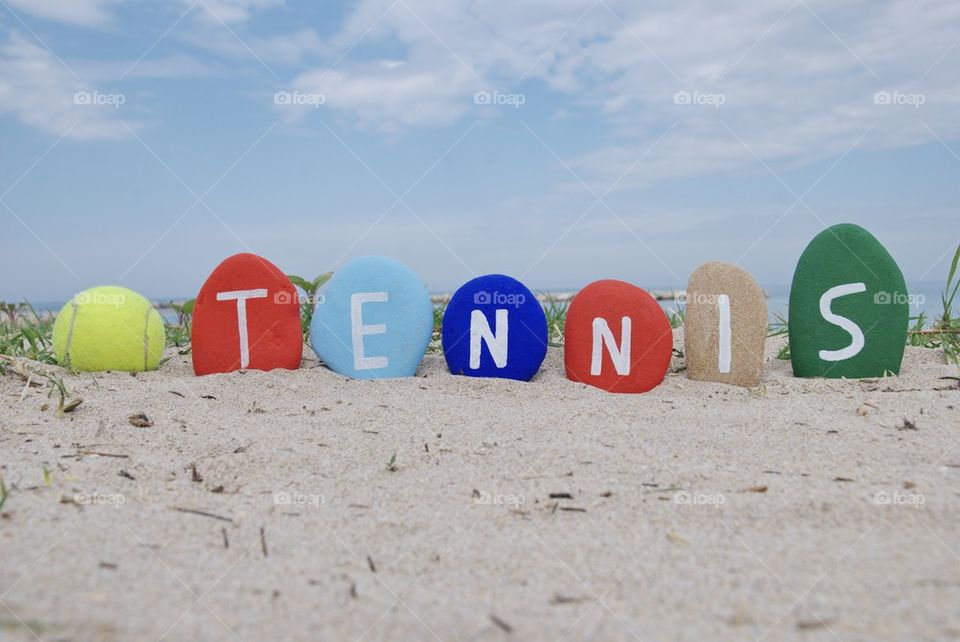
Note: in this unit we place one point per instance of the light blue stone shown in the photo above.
(373, 320)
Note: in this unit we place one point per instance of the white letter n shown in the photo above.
(496, 342)
(241, 296)
(620, 355)
(360, 362)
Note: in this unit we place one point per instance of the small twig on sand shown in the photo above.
(226, 540)
(202, 513)
(373, 567)
(559, 598)
(263, 541)
(500, 623)
(81, 453)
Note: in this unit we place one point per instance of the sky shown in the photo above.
(142, 142)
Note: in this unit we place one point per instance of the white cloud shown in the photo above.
(39, 91)
(174, 66)
(391, 96)
(78, 12)
(288, 48)
(224, 28)
(282, 49)
(796, 79)
(233, 11)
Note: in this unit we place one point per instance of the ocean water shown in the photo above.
(925, 297)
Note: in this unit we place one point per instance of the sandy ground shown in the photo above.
(806, 509)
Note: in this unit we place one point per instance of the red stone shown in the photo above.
(274, 334)
(651, 338)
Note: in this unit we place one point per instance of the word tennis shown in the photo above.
(849, 312)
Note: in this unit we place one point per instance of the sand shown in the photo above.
(449, 508)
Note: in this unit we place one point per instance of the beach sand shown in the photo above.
(442, 507)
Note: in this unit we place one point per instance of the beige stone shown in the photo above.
(725, 326)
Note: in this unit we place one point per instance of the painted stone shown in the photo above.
(494, 327)
(617, 338)
(247, 316)
(848, 307)
(373, 321)
(725, 326)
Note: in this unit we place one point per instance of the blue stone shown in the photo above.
(373, 320)
(494, 327)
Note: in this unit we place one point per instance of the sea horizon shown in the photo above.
(925, 298)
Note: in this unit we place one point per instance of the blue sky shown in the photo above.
(142, 142)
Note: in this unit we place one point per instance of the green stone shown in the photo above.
(859, 285)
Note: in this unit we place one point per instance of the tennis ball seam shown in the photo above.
(73, 321)
(146, 336)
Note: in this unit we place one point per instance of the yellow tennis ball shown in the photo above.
(109, 328)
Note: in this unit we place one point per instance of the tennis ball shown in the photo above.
(109, 328)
